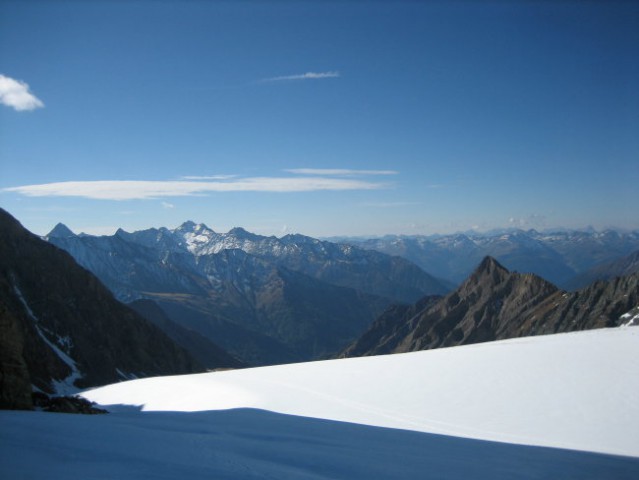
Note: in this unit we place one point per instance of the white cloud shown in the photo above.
(131, 190)
(15, 94)
(339, 171)
(303, 76)
(387, 204)
(167, 205)
(208, 177)
(532, 220)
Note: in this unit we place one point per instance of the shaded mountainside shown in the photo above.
(65, 327)
(204, 351)
(265, 314)
(495, 304)
(393, 324)
(621, 267)
(263, 299)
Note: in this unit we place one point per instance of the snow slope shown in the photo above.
(577, 391)
(253, 444)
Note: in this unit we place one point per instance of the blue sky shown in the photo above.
(322, 118)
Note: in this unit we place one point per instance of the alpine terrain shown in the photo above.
(493, 304)
(264, 299)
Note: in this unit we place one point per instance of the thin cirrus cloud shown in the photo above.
(388, 204)
(302, 76)
(139, 190)
(207, 177)
(16, 94)
(338, 171)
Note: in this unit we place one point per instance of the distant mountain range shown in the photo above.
(264, 299)
(61, 329)
(494, 304)
(559, 257)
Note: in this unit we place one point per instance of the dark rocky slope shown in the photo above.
(494, 304)
(66, 327)
(207, 353)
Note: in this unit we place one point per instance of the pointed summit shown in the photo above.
(187, 226)
(191, 227)
(242, 234)
(489, 267)
(61, 231)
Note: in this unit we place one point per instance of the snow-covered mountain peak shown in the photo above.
(196, 237)
(191, 227)
(187, 226)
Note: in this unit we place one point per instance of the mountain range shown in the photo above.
(494, 304)
(201, 300)
(265, 300)
(557, 256)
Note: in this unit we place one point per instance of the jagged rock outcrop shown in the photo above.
(599, 305)
(74, 333)
(495, 304)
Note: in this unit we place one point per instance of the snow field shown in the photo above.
(577, 391)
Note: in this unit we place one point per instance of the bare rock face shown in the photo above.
(65, 327)
(15, 383)
(495, 304)
(65, 404)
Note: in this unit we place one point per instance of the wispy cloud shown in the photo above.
(387, 204)
(341, 172)
(132, 190)
(207, 177)
(16, 94)
(532, 220)
(167, 205)
(302, 76)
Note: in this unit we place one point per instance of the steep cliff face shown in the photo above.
(74, 333)
(495, 304)
(15, 382)
(600, 305)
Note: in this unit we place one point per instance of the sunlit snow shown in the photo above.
(577, 391)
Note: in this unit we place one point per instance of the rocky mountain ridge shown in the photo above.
(494, 304)
(266, 300)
